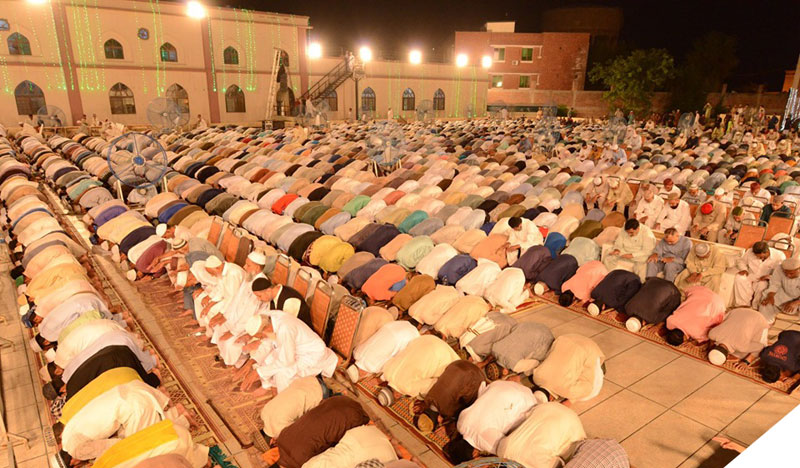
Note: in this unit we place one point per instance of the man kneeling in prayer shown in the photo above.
(782, 358)
(573, 369)
(743, 334)
(702, 310)
(282, 347)
(454, 390)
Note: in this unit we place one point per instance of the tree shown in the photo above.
(632, 79)
(709, 62)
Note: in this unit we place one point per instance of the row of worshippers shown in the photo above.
(104, 385)
(217, 264)
(107, 353)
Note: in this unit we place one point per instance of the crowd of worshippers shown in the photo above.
(476, 211)
(102, 381)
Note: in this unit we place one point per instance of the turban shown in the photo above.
(701, 250)
(791, 264)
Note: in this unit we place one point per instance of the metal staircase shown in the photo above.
(349, 66)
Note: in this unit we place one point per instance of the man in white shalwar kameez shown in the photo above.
(754, 270)
(631, 249)
(649, 207)
(783, 293)
(508, 290)
(522, 235)
(230, 324)
(285, 349)
(220, 296)
(675, 214)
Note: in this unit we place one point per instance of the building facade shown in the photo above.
(526, 64)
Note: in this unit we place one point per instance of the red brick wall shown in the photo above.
(562, 54)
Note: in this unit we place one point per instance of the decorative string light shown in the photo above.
(139, 48)
(252, 54)
(221, 35)
(458, 90)
(99, 37)
(72, 78)
(239, 42)
(296, 52)
(6, 79)
(213, 61)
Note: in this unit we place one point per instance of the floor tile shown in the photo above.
(23, 419)
(19, 396)
(637, 362)
(710, 455)
(581, 326)
(606, 419)
(721, 401)
(13, 359)
(613, 341)
(552, 316)
(609, 389)
(40, 462)
(760, 417)
(36, 446)
(667, 441)
(18, 377)
(675, 381)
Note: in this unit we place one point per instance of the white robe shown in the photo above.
(384, 344)
(507, 291)
(679, 218)
(651, 210)
(294, 351)
(244, 305)
(499, 408)
(476, 281)
(747, 288)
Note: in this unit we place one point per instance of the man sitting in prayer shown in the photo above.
(619, 196)
(707, 222)
(669, 188)
(757, 192)
(775, 208)
(783, 293)
(631, 249)
(669, 256)
(729, 232)
(523, 235)
(281, 346)
(693, 195)
(754, 270)
(595, 193)
(704, 266)
(219, 298)
(229, 326)
(650, 206)
(675, 214)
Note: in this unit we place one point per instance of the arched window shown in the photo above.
(234, 99)
(438, 100)
(18, 44)
(368, 100)
(333, 100)
(169, 53)
(30, 98)
(179, 96)
(113, 49)
(121, 99)
(230, 56)
(408, 100)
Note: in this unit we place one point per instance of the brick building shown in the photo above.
(527, 65)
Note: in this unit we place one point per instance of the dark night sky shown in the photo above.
(767, 31)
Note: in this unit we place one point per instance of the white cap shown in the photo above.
(161, 229)
(257, 257)
(213, 262)
(50, 355)
(255, 324)
(717, 357)
(719, 191)
(182, 277)
(633, 325)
